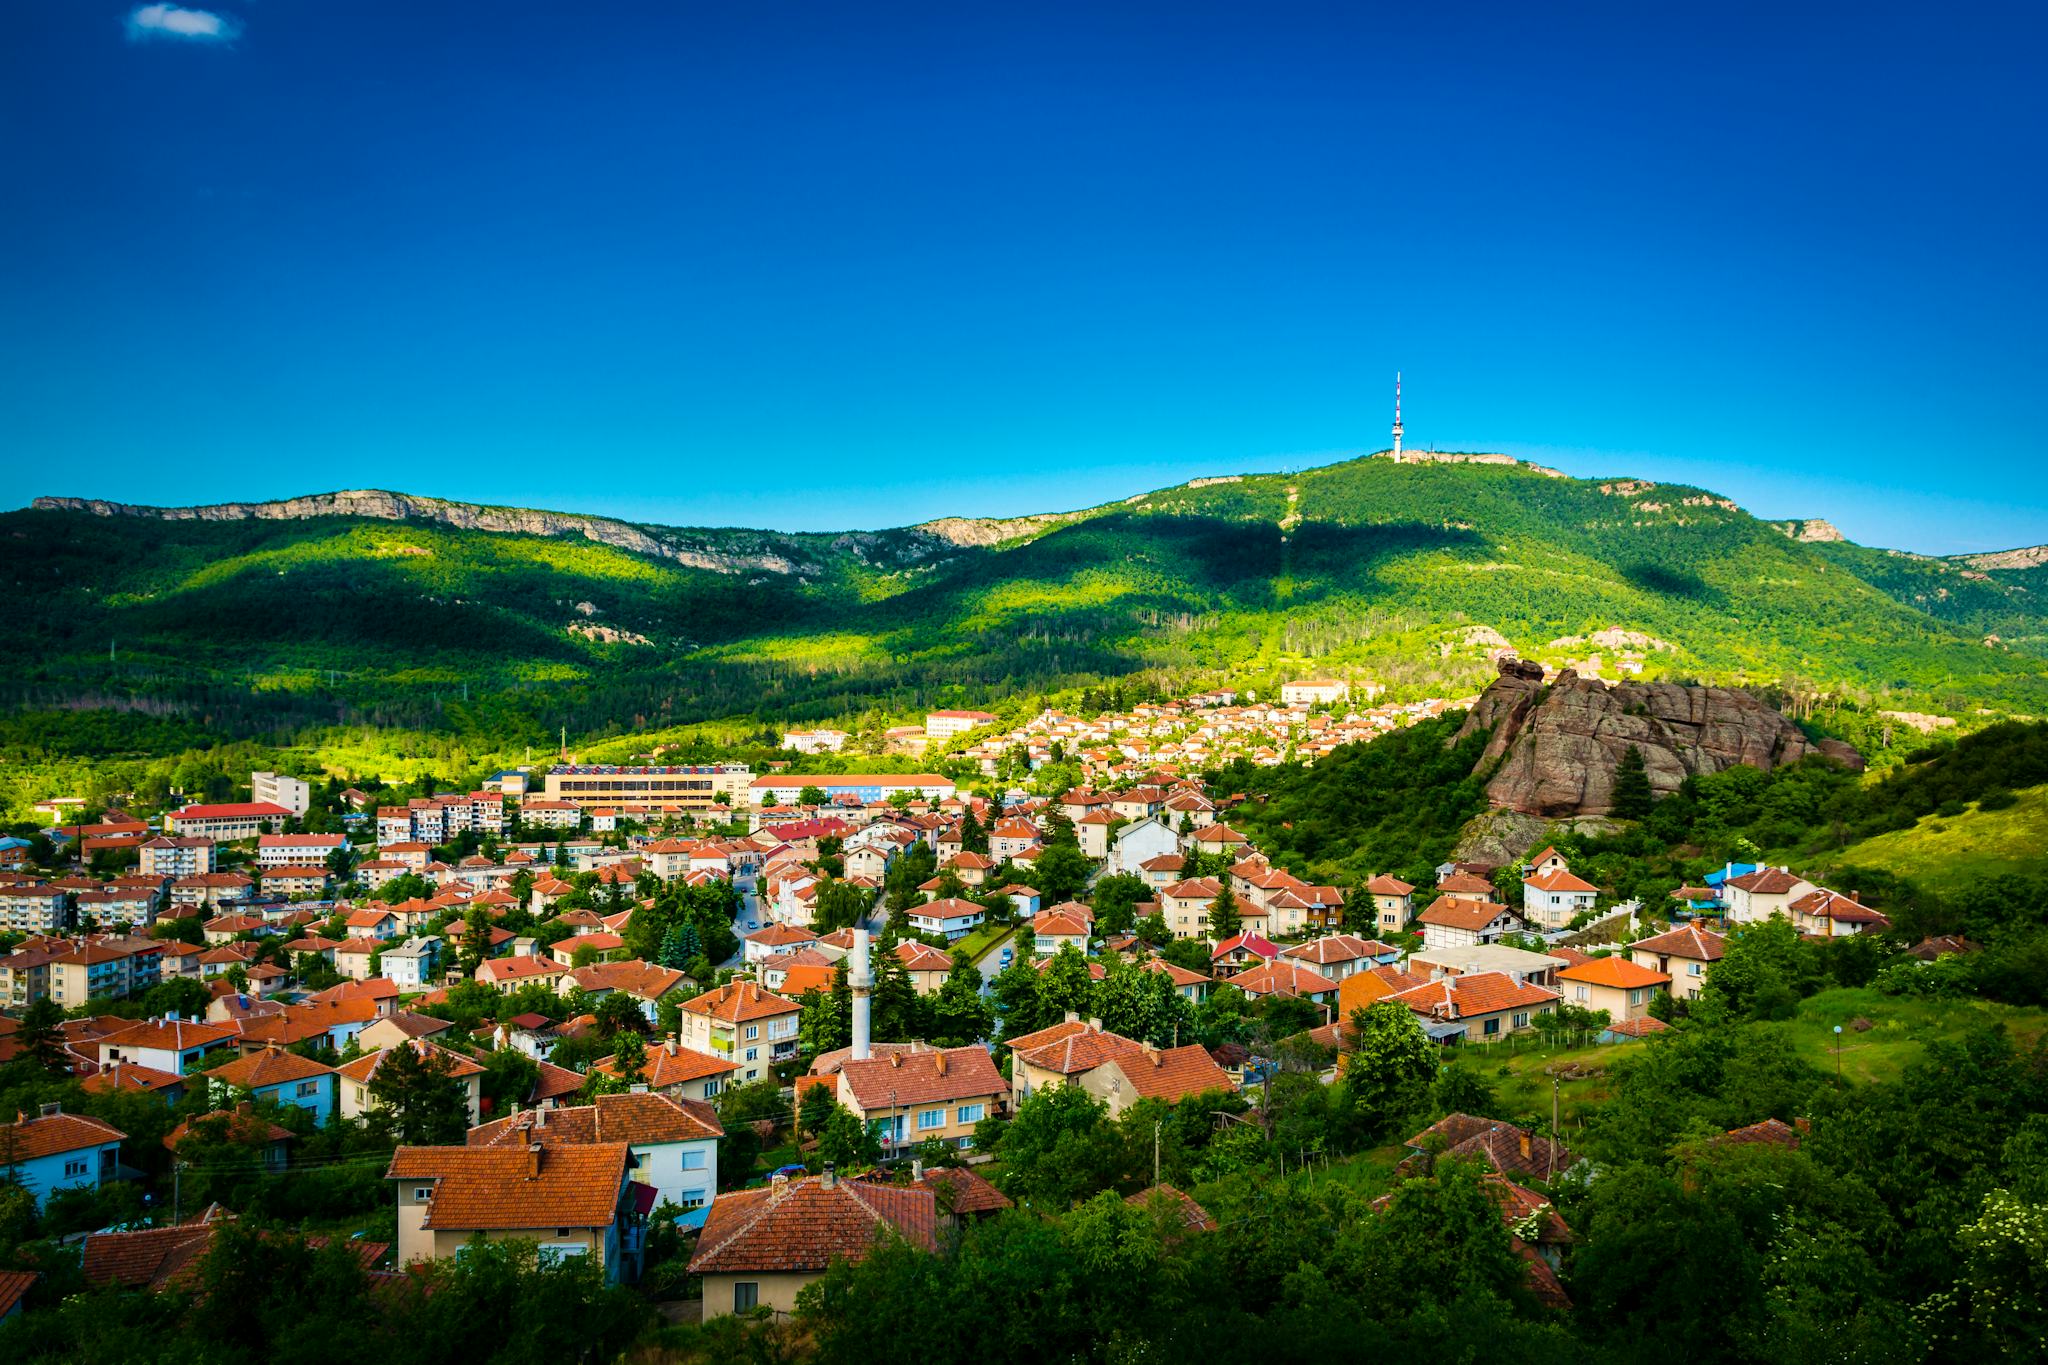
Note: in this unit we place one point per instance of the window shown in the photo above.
(1579, 992)
(971, 1113)
(693, 1199)
(1522, 1020)
(753, 1031)
(1635, 997)
(73, 1169)
(1492, 1026)
(746, 1294)
(420, 1193)
(1697, 969)
(710, 1089)
(308, 1089)
(753, 1054)
(930, 1118)
(693, 1161)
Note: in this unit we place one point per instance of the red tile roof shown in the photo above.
(1459, 912)
(903, 1079)
(1472, 995)
(803, 1225)
(740, 1000)
(490, 1187)
(47, 1136)
(639, 1119)
(1620, 973)
(1688, 941)
(1180, 1207)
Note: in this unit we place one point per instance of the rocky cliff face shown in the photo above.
(679, 548)
(1559, 743)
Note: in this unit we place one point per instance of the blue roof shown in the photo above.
(1714, 879)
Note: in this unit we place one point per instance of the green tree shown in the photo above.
(1059, 1148)
(415, 1097)
(1062, 870)
(1115, 900)
(812, 796)
(1068, 984)
(476, 940)
(39, 1039)
(959, 1013)
(1224, 919)
(815, 1110)
(1632, 795)
(846, 1142)
(1392, 1064)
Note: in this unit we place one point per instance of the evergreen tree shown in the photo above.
(846, 1142)
(416, 1099)
(39, 1038)
(1632, 795)
(1224, 920)
(898, 1014)
(815, 1110)
(1020, 998)
(1068, 984)
(476, 939)
(973, 837)
(960, 1013)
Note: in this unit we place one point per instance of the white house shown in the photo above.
(1459, 922)
(412, 964)
(58, 1151)
(952, 917)
(1140, 841)
(1552, 897)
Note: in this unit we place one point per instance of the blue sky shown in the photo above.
(817, 266)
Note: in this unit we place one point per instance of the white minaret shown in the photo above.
(1397, 414)
(861, 979)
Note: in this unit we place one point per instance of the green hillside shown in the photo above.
(1947, 854)
(1405, 574)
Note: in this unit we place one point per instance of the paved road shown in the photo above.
(992, 961)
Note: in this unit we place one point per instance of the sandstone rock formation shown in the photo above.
(1558, 744)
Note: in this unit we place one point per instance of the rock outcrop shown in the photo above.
(383, 506)
(1557, 745)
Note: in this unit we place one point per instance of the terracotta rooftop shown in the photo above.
(271, 1066)
(960, 1191)
(1687, 941)
(1473, 994)
(29, 1139)
(639, 1119)
(903, 1079)
(1172, 1073)
(490, 1187)
(803, 1225)
(1460, 912)
(1083, 1048)
(740, 1000)
(1178, 1205)
(1620, 973)
(1501, 1146)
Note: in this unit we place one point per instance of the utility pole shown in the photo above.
(1157, 1124)
(1553, 1126)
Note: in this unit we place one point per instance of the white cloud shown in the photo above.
(184, 25)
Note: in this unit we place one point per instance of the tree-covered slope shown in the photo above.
(1402, 573)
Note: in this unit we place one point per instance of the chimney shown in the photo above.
(939, 1062)
(830, 1180)
(673, 1040)
(1525, 1145)
(50, 1110)
(860, 978)
(540, 1118)
(533, 1151)
(1073, 1017)
(895, 1060)
(917, 1171)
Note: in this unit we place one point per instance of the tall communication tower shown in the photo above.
(1397, 414)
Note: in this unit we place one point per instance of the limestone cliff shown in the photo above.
(676, 546)
(1557, 744)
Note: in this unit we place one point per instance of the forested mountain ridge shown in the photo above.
(394, 609)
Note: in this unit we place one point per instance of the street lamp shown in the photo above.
(1838, 1056)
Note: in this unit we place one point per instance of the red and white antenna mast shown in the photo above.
(1397, 414)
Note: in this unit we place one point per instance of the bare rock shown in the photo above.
(1557, 746)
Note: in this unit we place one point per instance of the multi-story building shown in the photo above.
(177, 856)
(25, 975)
(814, 741)
(105, 968)
(230, 821)
(1312, 691)
(439, 818)
(546, 814)
(279, 850)
(690, 788)
(910, 1097)
(947, 724)
(34, 908)
(783, 789)
(751, 1027)
(132, 906)
(291, 793)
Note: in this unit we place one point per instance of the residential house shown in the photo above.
(279, 850)
(1284, 977)
(1477, 1007)
(676, 1071)
(1552, 897)
(1756, 896)
(760, 1247)
(1068, 924)
(647, 983)
(770, 939)
(413, 964)
(950, 917)
(58, 1151)
(752, 1027)
(1685, 954)
(570, 1200)
(926, 966)
(1457, 922)
(906, 1097)
(508, 974)
(1170, 1074)
(1500, 1147)
(1826, 914)
(1185, 905)
(243, 1127)
(228, 822)
(1619, 985)
(167, 1044)
(1137, 843)
(1192, 985)
(1339, 955)
(284, 1078)
(673, 1143)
